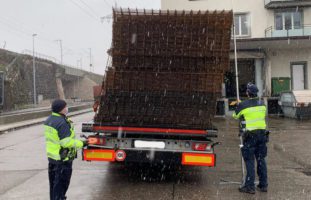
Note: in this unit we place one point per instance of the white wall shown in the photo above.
(259, 16)
(307, 16)
(281, 62)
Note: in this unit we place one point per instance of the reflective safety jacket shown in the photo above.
(252, 115)
(61, 144)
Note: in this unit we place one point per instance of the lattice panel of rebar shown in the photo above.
(167, 68)
(169, 40)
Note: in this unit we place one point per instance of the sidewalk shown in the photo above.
(18, 125)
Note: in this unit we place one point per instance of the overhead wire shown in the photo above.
(12, 28)
(23, 35)
(87, 12)
(27, 33)
(15, 24)
(83, 10)
(107, 4)
(18, 28)
(89, 7)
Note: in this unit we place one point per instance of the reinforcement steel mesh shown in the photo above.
(167, 68)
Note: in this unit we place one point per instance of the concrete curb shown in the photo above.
(279, 148)
(15, 126)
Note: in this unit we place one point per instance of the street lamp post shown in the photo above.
(34, 69)
(91, 65)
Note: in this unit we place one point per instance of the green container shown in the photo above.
(279, 85)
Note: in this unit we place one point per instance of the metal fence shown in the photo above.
(304, 30)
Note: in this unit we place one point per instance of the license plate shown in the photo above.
(149, 144)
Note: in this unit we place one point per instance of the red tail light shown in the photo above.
(96, 140)
(200, 146)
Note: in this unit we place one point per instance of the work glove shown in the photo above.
(234, 103)
(85, 143)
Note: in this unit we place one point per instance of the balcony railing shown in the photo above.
(304, 30)
(286, 3)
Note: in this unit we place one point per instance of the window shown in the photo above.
(241, 24)
(287, 20)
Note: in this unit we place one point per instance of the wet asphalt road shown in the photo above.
(23, 172)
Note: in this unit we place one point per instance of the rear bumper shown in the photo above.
(152, 156)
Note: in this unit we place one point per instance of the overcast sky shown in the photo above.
(76, 22)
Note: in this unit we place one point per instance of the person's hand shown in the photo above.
(234, 103)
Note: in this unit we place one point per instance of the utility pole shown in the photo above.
(4, 44)
(91, 60)
(74, 82)
(79, 68)
(34, 69)
(81, 63)
(61, 51)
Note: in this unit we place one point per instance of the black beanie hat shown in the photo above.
(252, 89)
(58, 105)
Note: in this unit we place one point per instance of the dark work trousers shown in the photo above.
(59, 177)
(254, 147)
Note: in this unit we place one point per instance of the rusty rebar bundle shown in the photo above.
(167, 68)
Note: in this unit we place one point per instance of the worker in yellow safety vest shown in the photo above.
(252, 116)
(61, 149)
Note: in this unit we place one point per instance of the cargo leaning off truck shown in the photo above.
(159, 95)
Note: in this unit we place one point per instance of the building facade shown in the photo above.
(273, 42)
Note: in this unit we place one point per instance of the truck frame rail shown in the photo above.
(90, 127)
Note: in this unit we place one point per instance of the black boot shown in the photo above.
(262, 189)
(248, 190)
